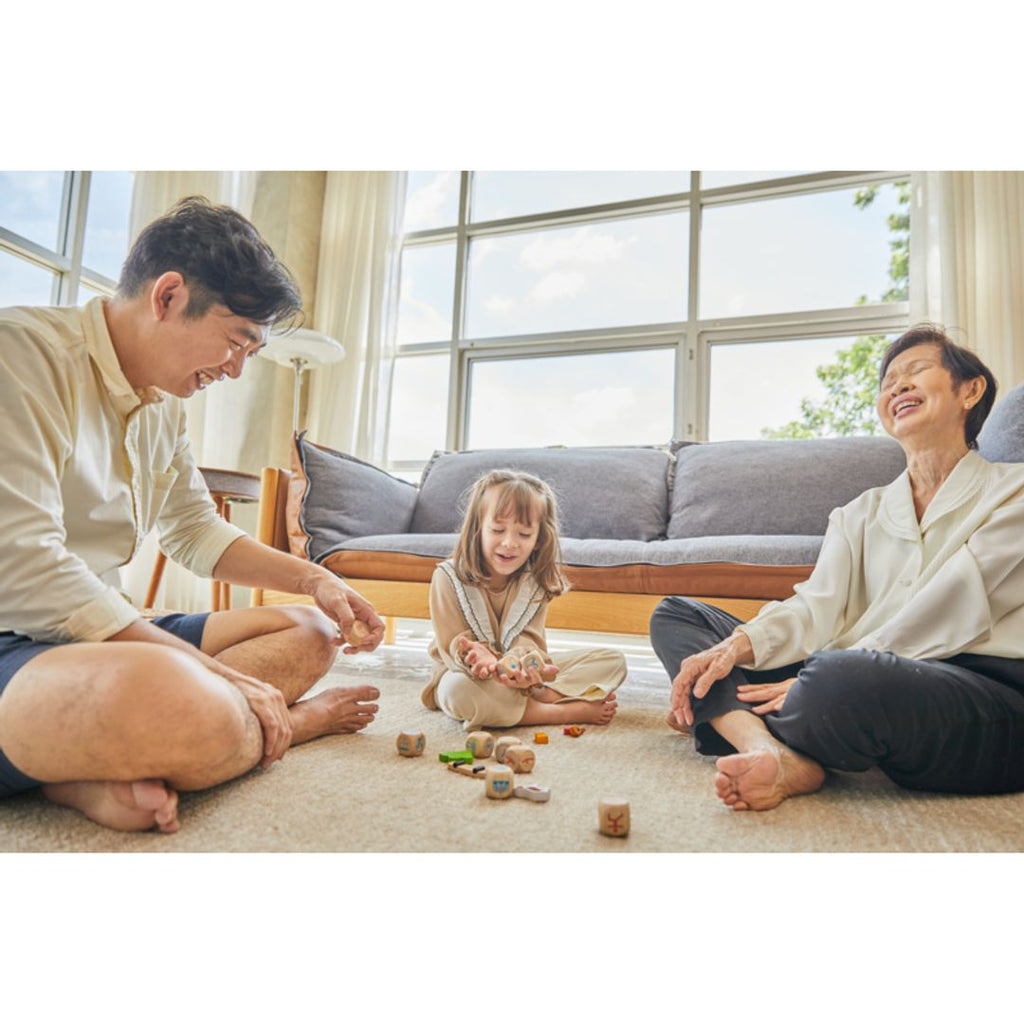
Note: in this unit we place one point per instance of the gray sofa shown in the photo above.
(734, 522)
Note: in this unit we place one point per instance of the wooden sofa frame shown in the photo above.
(590, 611)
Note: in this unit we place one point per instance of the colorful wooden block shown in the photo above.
(538, 794)
(520, 759)
(574, 730)
(480, 744)
(502, 746)
(462, 756)
(540, 737)
(613, 816)
(411, 744)
(498, 780)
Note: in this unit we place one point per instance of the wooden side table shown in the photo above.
(227, 487)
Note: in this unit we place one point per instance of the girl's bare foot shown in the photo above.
(339, 710)
(568, 712)
(758, 780)
(126, 806)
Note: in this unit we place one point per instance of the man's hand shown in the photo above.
(699, 672)
(772, 694)
(344, 606)
(268, 705)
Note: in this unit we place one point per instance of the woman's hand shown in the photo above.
(477, 657)
(773, 695)
(699, 672)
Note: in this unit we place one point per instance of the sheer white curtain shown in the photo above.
(356, 297)
(968, 236)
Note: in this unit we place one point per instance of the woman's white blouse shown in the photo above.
(952, 583)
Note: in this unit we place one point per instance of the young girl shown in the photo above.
(489, 601)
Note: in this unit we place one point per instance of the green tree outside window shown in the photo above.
(851, 382)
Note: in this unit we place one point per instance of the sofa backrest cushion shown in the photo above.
(612, 493)
(775, 487)
(1002, 437)
(334, 496)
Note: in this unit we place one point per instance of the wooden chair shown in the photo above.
(227, 487)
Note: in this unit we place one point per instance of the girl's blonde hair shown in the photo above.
(528, 498)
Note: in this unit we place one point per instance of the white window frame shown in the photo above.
(65, 261)
(692, 338)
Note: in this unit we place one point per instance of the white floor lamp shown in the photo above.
(302, 349)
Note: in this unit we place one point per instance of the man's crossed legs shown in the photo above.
(116, 729)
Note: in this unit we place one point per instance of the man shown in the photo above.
(108, 712)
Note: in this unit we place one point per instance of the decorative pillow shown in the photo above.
(335, 497)
(775, 487)
(1002, 437)
(614, 493)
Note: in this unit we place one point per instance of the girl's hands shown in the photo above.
(477, 657)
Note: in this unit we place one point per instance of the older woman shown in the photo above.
(905, 647)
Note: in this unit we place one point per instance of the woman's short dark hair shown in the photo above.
(963, 365)
(222, 258)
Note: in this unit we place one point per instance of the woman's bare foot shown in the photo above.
(126, 806)
(683, 728)
(341, 709)
(594, 712)
(758, 780)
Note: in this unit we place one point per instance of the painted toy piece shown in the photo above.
(459, 756)
(538, 794)
(520, 759)
(474, 771)
(498, 780)
(534, 661)
(540, 737)
(502, 746)
(357, 633)
(613, 816)
(574, 730)
(480, 744)
(411, 744)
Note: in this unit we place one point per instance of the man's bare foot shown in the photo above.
(341, 709)
(758, 780)
(126, 806)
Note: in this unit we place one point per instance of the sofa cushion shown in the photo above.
(333, 497)
(742, 567)
(1002, 437)
(616, 493)
(775, 487)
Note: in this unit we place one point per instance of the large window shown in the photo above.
(63, 235)
(547, 308)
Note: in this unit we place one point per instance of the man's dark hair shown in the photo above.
(963, 365)
(222, 258)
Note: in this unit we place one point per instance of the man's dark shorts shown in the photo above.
(16, 650)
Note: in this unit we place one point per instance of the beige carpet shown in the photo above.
(355, 794)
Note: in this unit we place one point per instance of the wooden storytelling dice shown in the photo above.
(499, 780)
(520, 759)
(411, 744)
(613, 816)
(502, 746)
(357, 633)
(507, 665)
(480, 744)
